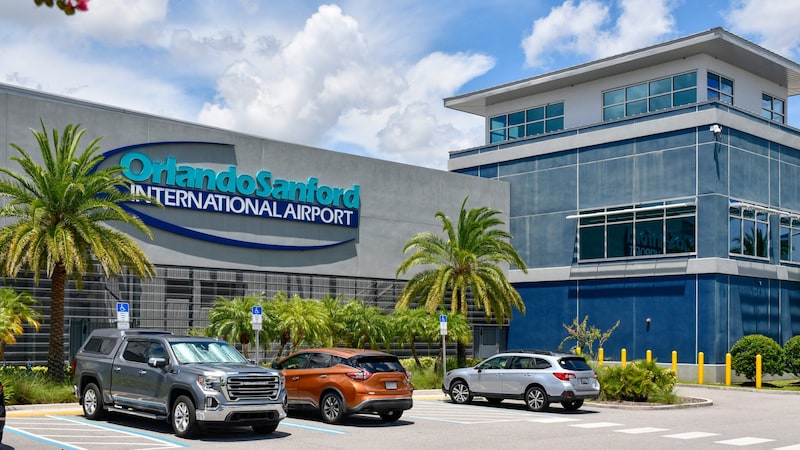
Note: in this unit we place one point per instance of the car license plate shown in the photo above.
(391, 385)
(584, 380)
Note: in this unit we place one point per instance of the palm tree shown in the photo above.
(365, 325)
(15, 310)
(61, 210)
(467, 261)
(301, 321)
(410, 325)
(231, 320)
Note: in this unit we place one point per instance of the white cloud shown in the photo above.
(581, 29)
(773, 21)
(327, 86)
(120, 21)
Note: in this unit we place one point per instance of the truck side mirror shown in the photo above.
(157, 362)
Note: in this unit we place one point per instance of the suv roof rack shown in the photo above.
(538, 352)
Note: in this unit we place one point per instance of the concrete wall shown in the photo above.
(397, 200)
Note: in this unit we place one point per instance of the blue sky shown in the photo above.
(365, 77)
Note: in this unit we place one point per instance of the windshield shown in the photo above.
(206, 352)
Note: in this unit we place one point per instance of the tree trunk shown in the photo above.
(414, 351)
(55, 351)
(461, 354)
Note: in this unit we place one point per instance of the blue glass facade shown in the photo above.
(699, 309)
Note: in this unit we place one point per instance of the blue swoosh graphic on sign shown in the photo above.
(188, 232)
(194, 234)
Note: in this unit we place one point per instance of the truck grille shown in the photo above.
(253, 387)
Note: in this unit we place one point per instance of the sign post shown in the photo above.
(257, 321)
(443, 332)
(123, 316)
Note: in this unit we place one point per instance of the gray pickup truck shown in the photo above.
(192, 382)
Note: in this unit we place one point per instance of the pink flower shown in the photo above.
(82, 5)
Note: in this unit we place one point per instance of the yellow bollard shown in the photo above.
(727, 369)
(600, 356)
(700, 358)
(758, 371)
(577, 350)
(624, 358)
(649, 356)
(675, 362)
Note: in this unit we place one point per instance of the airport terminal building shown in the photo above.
(659, 187)
(242, 215)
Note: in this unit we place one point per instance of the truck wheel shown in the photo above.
(93, 402)
(332, 408)
(266, 427)
(184, 422)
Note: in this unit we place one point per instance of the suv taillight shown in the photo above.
(72, 365)
(564, 376)
(361, 375)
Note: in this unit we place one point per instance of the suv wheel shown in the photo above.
(391, 416)
(184, 422)
(93, 402)
(460, 393)
(572, 405)
(536, 399)
(332, 408)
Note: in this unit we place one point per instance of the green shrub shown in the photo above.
(744, 351)
(30, 385)
(638, 381)
(427, 375)
(791, 353)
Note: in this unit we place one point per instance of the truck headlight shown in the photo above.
(210, 382)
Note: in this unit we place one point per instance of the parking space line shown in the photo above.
(741, 442)
(170, 442)
(311, 427)
(690, 435)
(37, 438)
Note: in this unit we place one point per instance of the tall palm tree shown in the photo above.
(59, 212)
(468, 260)
(16, 310)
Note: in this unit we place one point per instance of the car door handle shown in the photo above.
(295, 378)
(117, 369)
(323, 376)
(142, 372)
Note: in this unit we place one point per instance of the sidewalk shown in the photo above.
(75, 408)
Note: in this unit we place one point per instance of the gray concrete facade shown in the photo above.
(396, 201)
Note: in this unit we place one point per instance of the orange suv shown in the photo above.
(343, 381)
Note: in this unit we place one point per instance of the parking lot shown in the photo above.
(736, 418)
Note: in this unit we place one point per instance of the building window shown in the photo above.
(516, 125)
(650, 96)
(655, 229)
(749, 231)
(720, 88)
(790, 238)
(773, 108)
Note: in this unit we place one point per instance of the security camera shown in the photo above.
(716, 129)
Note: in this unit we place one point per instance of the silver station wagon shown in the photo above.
(538, 377)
